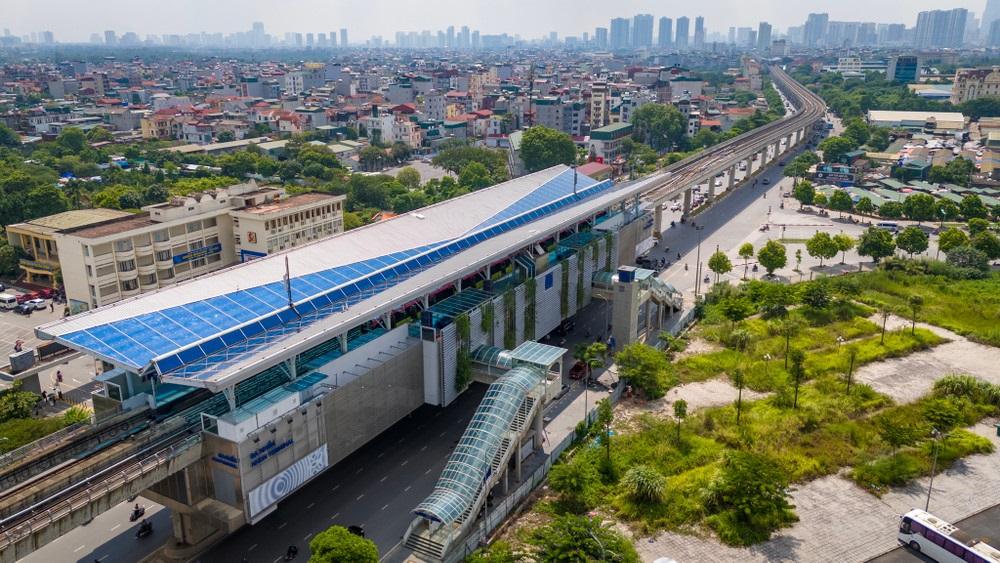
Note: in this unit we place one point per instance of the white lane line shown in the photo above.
(404, 463)
(426, 472)
(102, 558)
(283, 524)
(278, 559)
(79, 548)
(441, 435)
(379, 456)
(384, 507)
(382, 480)
(334, 489)
(358, 472)
(407, 488)
(307, 536)
(361, 496)
(334, 517)
(311, 504)
(115, 527)
(423, 448)
(252, 547)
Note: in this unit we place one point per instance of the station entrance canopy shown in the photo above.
(196, 333)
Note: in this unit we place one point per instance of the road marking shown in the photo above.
(115, 527)
(423, 448)
(361, 496)
(428, 471)
(102, 558)
(278, 559)
(311, 504)
(252, 547)
(407, 488)
(380, 455)
(401, 440)
(334, 517)
(283, 524)
(404, 462)
(307, 536)
(335, 488)
(384, 507)
(79, 548)
(441, 435)
(382, 480)
(358, 472)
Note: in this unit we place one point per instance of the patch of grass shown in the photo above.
(21, 431)
(968, 307)
(910, 463)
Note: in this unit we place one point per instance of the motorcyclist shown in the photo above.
(292, 552)
(685, 267)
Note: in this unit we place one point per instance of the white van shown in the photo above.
(7, 301)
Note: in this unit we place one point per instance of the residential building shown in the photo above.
(681, 42)
(815, 29)
(763, 36)
(619, 33)
(973, 83)
(665, 39)
(606, 142)
(699, 33)
(642, 31)
(919, 121)
(600, 104)
(941, 28)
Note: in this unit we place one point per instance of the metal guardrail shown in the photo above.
(11, 456)
(112, 481)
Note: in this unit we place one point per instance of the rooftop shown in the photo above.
(290, 203)
(124, 225)
(70, 220)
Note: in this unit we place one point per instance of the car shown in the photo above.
(578, 370)
(36, 303)
(21, 298)
(765, 181)
(675, 207)
(781, 163)
(47, 293)
(24, 309)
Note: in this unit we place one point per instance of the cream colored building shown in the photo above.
(278, 225)
(37, 238)
(973, 83)
(177, 240)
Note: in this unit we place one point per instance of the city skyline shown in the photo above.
(387, 18)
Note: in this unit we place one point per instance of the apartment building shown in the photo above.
(973, 83)
(186, 237)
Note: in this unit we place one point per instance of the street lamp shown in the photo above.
(697, 280)
(935, 433)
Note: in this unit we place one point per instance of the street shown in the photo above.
(986, 524)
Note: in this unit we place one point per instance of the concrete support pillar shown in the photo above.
(458, 286)
(343, 343)
(230, 393)
(517, 460)
(761, 156)
(687, 201)
(539, 428)
(658, 220)
(506, 482)
(732, 176)
(426, 301)
(387, 320)
(711, 189)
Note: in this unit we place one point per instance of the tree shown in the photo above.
(409, 177)
(835, 148)
(720, 264)
(746, 253)
(99, 135)
(797, 371)
(543, 148)
(885, 312)
(736, 309)
(876, 243)
(987, 243)
(605, 416)
(865, 206)
(660, 126)
(878, 138)
(919, 207)
(821, 246)
(857, 131)
(896, 431)
(8, 138)
(680, 413)
(973, 207)
(804, 193)
(225, 137)
(952, 238)
(751, 492)
(592, 355)
(645, 368)
(644, 484)
(841, 201)
(891, 210)
(72, 140)
(455, 158)
(475, 176)
(820, 200)
(371, 158)
(15, 403)
(569, 537)
(738, 381)
(977, 225)
(291, 168)
(817, 294)
(238, 164)
(45, 200)
(968, 257)
(574, 480)
(916, 303)
(946, 210)
(336, 545)
(844, 243)
(772, 256)
(912, 240)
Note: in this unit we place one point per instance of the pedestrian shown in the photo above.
(59, 376)
(18, 344)
(60, 394)
(45, 396)
(52, 306)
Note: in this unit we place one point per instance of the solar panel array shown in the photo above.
(202, 339)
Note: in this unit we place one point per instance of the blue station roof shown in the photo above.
(195, 331)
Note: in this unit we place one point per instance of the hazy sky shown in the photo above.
(75, 20)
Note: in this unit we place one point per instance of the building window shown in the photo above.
(193, 227)
(123, 245)
(147, 279)
(126, 265)
(163, 255)
(130, 285)
(162, 235)
(90, 271)
(210, 222)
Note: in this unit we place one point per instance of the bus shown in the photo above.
(927, 534)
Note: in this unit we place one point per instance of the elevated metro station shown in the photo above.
(272, 371)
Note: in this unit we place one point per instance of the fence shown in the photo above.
(11, 456)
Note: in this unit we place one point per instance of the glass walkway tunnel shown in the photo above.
(508, 419)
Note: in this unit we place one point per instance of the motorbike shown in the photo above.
(672, 224)
(755, 267)
(137, 513)
(708, 279)
(145, 529)
(765, 227)
(685, 267)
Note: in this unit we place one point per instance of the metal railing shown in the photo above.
(112, 481)
(11, 456)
